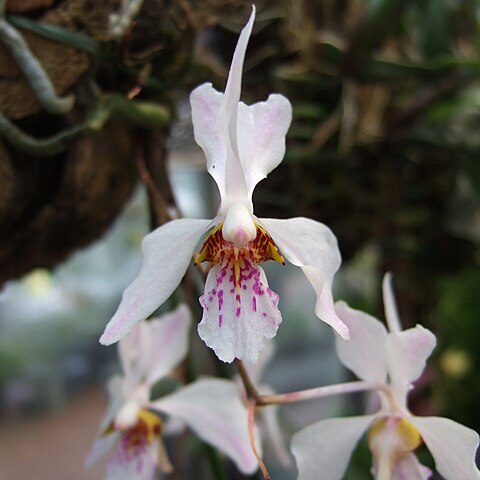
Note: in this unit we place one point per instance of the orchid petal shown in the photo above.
(129, 351)
(261, 137)
(167, 252)
(133, 462)
(452, 446)
(311, 246)
(323, 450)
(101, 447)
(364, 353)
(168, 342)
(409, 468)
(238, 321)
(407, 353)
(214, 411)
(104, 443)
(154, 348)
(205, 102)
(391, 312)
(227, 122)
(242, 143)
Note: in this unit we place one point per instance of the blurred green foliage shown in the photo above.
(457, 385)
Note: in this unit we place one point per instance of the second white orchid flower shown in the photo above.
(211, 407)
(240, 313)
(323, 450)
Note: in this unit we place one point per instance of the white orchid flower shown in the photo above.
(212, 408)
(323, 450)
(242, 145)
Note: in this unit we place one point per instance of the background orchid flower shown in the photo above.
(323, 450)
(212, 408)
(240, 313)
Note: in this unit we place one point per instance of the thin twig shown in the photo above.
(251, 405)
(349, 118)
(189, 13)
(159, 204)
(324, 131)
(425, 98)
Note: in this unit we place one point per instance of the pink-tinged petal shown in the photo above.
(133, 462)
(154, 348)
(234, 82)
(238, 321)
(409, 468)
(217, 121)
(228, 117)
(104, 443)
(129, 354)
(323, 450)
(261, 137)
(364, 353)
(313, 247)
(213, 409)
(391, 312)
(167, 251)
(205, 102)
(452, 445)
(407, 354)
(169, 337)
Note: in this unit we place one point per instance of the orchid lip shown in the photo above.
(237, 296)
(390, 439)
(260, 249)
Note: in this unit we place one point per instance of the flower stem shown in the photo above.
(250, 389)
(308, 394)
(251, 435)
(318, 392)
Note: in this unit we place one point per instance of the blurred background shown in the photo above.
(383, 148)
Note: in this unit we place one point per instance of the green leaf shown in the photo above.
(61, 35)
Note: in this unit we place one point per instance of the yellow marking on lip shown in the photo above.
(210, 246)
(407, 432)
(261, 249)
(148, 426)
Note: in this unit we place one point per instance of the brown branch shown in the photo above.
(159, 205)
(251, 391)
